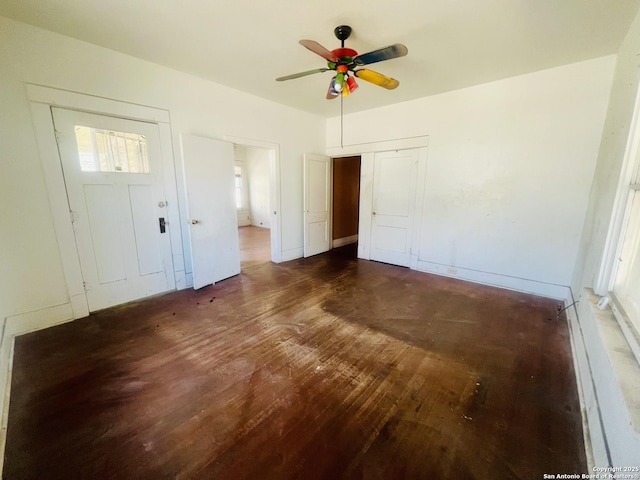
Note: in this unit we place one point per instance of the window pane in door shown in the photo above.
(101, 150)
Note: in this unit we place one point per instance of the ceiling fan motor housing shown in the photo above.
(342, 32)
(345, 56)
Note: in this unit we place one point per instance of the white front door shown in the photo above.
(212, 216)
(394, 192)
(113, 175)
(317, 204)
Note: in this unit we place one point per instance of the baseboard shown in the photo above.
(39, 319)
(549, 290)
(340, 242)
(6, 364)
(292, 254)
(19, 325)
(593, 436)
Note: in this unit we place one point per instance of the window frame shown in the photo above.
(626, 190)
(630, 326)
(243, 202)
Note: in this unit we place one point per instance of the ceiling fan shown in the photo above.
(347, 64)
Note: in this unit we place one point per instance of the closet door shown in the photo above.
(394, 194)
(317, 204)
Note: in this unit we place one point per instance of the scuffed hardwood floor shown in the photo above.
(319, 368)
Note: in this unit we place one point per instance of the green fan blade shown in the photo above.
(301, 74)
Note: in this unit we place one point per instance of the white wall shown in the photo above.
(32, 283)
(509, 168)
(32, 276)
(258, 178)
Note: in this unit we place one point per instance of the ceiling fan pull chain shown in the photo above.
(341, 127)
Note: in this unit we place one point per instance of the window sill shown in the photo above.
(621, 356)
(626, 326)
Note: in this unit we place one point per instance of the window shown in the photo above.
(239, 187)
(110, 151)
(619, 276)
(626, 279)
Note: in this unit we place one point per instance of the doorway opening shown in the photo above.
(345, 205)
(252, 166)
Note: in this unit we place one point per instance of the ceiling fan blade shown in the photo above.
(316, 48)
(377, 78)
(386, 53)
(301, 74)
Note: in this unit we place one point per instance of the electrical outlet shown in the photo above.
(452, 270)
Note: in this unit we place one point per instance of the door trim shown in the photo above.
(274, 189)
(381, 146)
(41, 99)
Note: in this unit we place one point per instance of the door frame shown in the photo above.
(41, 99)
(274, 189)
(367, 153)
(337, 243)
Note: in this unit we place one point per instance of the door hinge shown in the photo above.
(58, 135)
(73, 215)
(84, 286)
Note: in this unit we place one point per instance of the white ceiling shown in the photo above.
(246, 44)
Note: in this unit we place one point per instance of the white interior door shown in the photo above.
(394, 192)
(113, 175)
(317, 204)
(213, 219)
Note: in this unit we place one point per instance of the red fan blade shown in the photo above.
(318, 49)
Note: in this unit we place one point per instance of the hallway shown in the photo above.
(255, 246)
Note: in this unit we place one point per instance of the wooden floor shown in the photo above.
(320, 368)
(255, 246)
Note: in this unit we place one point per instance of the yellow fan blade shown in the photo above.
(377, 78)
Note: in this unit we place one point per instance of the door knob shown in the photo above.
(193, 221)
